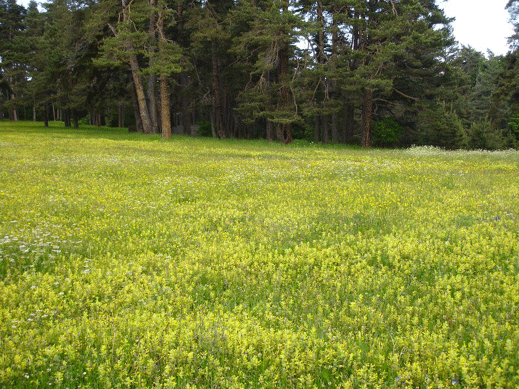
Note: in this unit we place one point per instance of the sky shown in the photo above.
(482, 24)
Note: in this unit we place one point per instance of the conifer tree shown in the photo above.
(12, 58)
(267, 47)
(132, 42)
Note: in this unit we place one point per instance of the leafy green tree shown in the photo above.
(372, 59)
(12, 59)
(210, 49)
(136, 37)
(267, 48)
(439, 126)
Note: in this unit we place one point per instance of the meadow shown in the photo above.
(127, 261)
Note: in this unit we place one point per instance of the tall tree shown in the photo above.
(13, 61)
(267, 47)
(127, 23)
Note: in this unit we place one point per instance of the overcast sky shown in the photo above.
(482, 24)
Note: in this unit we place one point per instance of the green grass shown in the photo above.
(128, 261)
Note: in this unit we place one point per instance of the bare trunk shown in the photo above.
(164, 91)
(165, 107)
(138, 121)
(323, 119)
(67, 118)
(280, 132)
(270, 131)
(120, 116)
(217, 96)
(335, 128)
(137, 79)
(75, 119)
(285, 129)
(139, 90)
(152, 78)
(13, 114)
(213, 126)
(326, 129)
(46, 115)
(336, 136)
(317, 128)
(182, 98)
(367, 119)
(152, 99)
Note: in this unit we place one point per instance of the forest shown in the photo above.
(374, 73)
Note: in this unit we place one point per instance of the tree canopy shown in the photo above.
(370, 72)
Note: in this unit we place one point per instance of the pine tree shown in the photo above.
(12, 66)
(139, 40)
(267, 48)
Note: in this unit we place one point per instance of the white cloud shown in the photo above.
(482, 24)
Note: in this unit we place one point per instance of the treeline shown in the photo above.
(369, 72)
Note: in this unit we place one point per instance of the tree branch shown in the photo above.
(406, 96)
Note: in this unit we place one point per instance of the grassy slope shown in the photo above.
(133, 262)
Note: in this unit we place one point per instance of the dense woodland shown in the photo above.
(385, 73)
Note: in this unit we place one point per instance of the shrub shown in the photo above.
(387, 132)
(483, 136)
(204, 128)
(439, 127)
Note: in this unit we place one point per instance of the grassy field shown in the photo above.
(131, 262)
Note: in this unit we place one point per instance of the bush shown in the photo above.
(439, 127)
(204, 128)
(483, 136)
(387, 132)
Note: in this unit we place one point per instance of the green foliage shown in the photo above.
(132, 262)
(387, 132)
(440, 127)
(483, 136)
(514, 124)
(204, 128)
(243, 63)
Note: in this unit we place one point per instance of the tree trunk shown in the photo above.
(349, 125)
(120, 115)
(165, 104)
(136, 76)
(335, 128)
(67, 118)
(317, 128)
(326, 129)
(76, 119)
(46, 115)
(323, 119)
(217, 96)
(139, 90)
(182, 100)
(367, 119)
(136, 112)
(152, 78)
(164, 91)
(280, 133)
(285, 129)
(213, 126)
(336, 136)
(152, 99)
(13, 114)
(270, 131)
